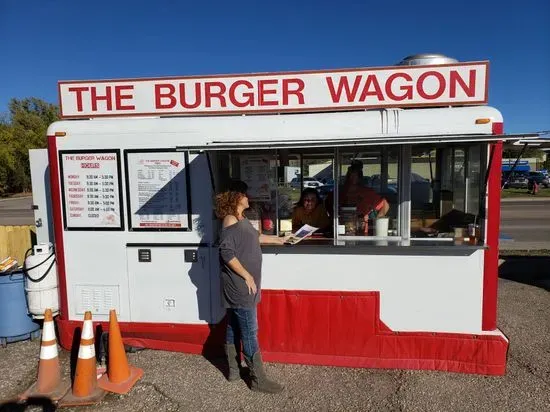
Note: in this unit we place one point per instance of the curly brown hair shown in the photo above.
(226, 204)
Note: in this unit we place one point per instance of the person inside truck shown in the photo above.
(354, 193)
(310, 211)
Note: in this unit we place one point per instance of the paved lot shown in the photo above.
(16, 211)
(525, 224)
(180, 382)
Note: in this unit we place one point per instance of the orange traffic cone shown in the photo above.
(85, 390)
(120, 377)
(49, 383)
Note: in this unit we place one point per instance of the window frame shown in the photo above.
(404, 202)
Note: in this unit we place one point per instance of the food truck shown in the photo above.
(135, 164)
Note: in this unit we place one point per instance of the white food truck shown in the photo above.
(134, 165)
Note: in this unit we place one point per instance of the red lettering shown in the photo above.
(165, 91)
(298, 92)
(470, 90)
(106, 98)
(262, 92)
(420, 85)
(343, 84)
(209, 94)
(408, 89)
(248, 95)
(372, 80)
(119, 97)
(183, 95)
(88, 166)
(79, 91)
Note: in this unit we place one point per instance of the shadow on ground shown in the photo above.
(32, 403)
(529, 270)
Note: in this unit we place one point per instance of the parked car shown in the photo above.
(311, 182)
(296, 183)
(518, 180)
(538, 177)
(325, 190)
(308, 182)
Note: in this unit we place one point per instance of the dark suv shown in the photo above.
(515, 180)
(538, 177)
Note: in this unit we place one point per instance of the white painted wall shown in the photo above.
(417, 293)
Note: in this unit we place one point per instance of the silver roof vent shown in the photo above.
(426, 58)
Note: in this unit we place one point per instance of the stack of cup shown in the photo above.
(381, 230)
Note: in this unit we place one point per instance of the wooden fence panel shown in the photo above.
(15, 241)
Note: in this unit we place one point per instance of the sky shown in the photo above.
(44, 41)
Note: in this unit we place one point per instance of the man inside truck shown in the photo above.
(354, 193)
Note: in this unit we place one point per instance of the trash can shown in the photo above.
(16, 323)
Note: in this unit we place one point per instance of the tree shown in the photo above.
(7, 159)
(25, 129)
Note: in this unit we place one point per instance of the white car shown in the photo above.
(308, 182)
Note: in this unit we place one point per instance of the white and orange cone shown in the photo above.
(49, 383)
(85, 390)
(121, 376)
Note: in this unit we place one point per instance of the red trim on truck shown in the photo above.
(490, 269)
(333, 328)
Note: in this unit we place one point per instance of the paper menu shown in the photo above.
(301, 234)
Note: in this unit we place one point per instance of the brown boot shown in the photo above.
(233, 362)
(258, 380)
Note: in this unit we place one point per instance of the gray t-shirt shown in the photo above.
(240, 240)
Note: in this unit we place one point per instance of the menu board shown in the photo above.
(157, 190)
(91, 189)
(255, 172)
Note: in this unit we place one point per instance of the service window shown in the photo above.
(349, 193)
(258, 169)
(276, 182)
(305, 182)
(446, 185)
(357, 195)
(368, 196)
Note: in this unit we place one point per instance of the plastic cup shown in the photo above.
(381, 226)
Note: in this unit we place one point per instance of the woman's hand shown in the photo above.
(249, 280)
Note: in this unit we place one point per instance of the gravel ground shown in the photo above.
(180, 382)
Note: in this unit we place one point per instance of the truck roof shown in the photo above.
(373, 126)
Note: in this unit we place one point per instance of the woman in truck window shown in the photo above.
(241, 275)
(310, 211)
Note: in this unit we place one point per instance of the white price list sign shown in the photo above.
(91, 190)
(157, 190)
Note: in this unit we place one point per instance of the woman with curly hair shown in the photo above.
(241, 274)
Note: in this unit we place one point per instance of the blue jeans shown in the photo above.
(242, 325)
